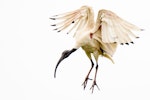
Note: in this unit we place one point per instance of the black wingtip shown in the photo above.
(59, 31)
(127, 43)
(52, 18)
(55, 29)
(53, 25)
(121, 43)
(132, 42)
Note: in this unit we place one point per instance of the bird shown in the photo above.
(97, 38)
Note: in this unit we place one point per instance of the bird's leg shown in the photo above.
(94, 81)
(87, 76)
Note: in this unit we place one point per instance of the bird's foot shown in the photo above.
(94, 84)
(85, 82)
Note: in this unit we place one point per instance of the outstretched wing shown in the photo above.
(114, 29)
(77, 17)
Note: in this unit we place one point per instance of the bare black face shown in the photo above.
(64, 55)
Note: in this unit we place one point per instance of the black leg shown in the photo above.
(87, 77)
(94, 81)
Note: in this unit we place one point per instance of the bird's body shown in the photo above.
(97, 38)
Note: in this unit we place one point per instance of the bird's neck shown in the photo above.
(96, 26)
(90, 21)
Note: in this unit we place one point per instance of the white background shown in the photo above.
(29, 51)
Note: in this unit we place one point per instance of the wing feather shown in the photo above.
(78, 17)
(115, 29)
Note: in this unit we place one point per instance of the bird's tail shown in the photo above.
(109, 57)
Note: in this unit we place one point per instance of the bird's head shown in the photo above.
(64, 55)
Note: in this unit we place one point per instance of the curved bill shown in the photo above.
(64, 55)
(59, 61)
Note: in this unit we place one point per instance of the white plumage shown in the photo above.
(96, 38)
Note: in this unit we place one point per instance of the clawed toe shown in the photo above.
(85, 82)
(94, 84)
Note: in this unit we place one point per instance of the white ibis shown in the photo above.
(98, 38)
